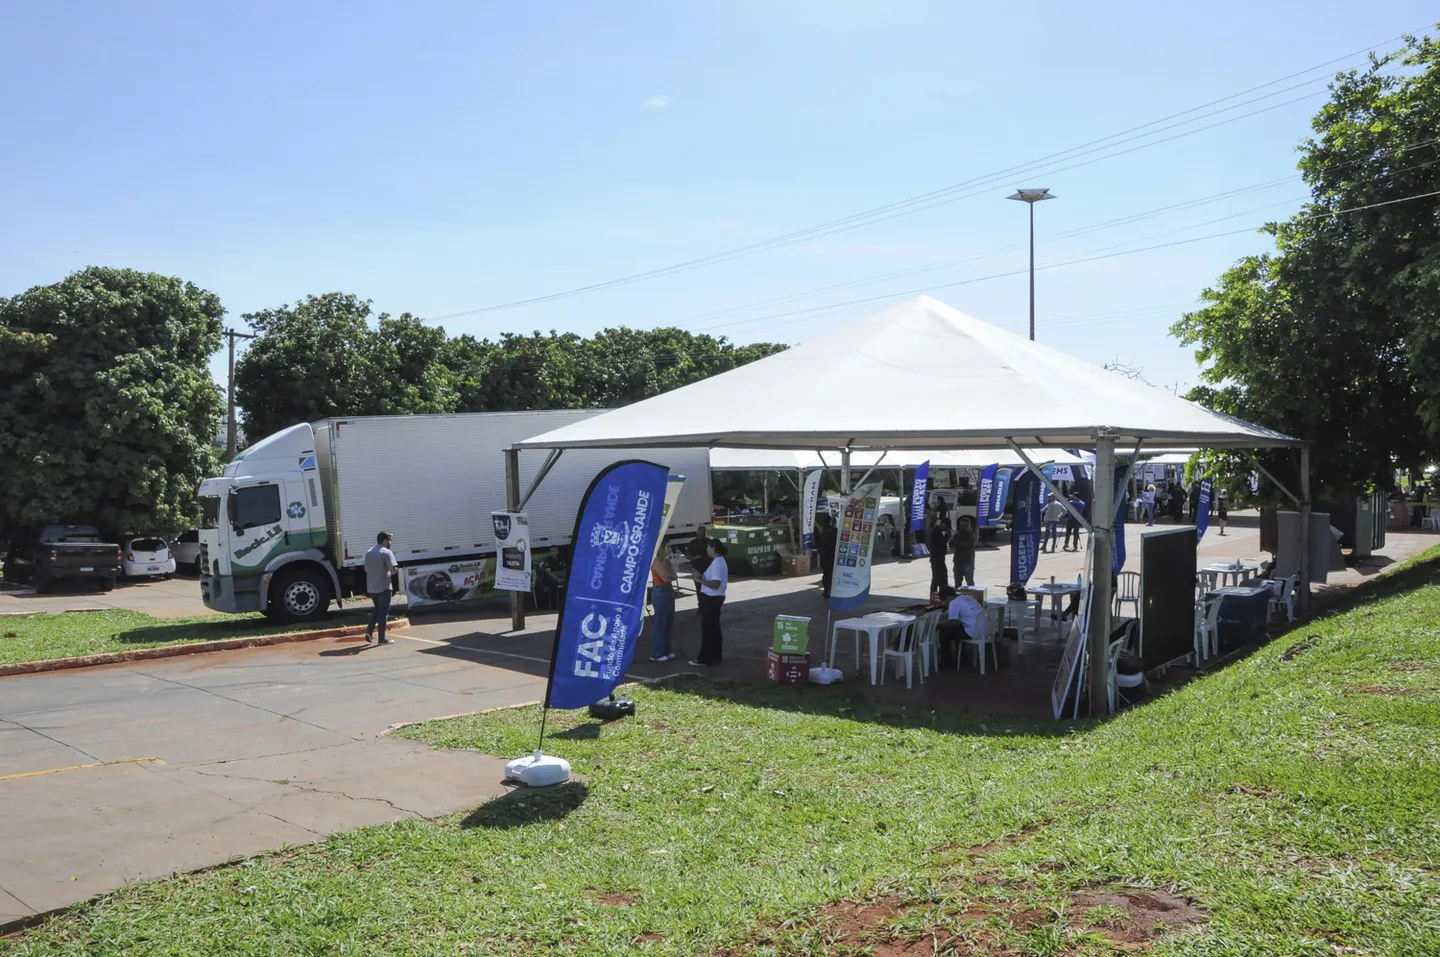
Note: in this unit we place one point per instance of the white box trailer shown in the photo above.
(286, 528)
(433, 480)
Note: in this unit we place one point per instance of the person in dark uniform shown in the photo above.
(825, 539)
(939, 537)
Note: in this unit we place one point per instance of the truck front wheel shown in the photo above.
(301, 595)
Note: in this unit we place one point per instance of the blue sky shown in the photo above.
(446, 157)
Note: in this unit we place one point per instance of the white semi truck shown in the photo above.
(285, 529)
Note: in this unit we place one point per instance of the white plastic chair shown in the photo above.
(903, 650)
(985, 625)
(1207, 630)
(1117, 680)
(927, 631)
(1431, 522)
(1128, 590)
(1282, 595)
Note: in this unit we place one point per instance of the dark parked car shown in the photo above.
(64, 552)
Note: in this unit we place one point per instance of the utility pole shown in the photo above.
(1030, 197)
(232, 335)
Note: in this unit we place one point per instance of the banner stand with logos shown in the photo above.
(617, 530)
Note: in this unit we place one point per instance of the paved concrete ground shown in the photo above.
(130, 772)
(177, 598)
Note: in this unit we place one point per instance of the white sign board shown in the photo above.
(512, 545)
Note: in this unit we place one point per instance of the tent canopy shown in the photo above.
(776, 460)
(920, 375)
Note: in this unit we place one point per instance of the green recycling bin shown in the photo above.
(753, 549)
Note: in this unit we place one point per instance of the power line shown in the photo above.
(801, 313)
(1079, 231)
(911, 204)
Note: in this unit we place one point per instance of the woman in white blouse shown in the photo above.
(713, 582)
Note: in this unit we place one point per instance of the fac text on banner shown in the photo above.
(919, 491)
(1202, 507)
(807, 510)
(1025, 530)
(512, 545)
(854, 546)
(619, 526)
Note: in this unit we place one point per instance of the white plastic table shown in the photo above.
(874, 625)
(1056, 591)
(1229, 570)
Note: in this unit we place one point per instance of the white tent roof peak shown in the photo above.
(920, 375)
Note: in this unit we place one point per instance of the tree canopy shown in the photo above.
(107, 410)
(1335, 336)
(323, 357)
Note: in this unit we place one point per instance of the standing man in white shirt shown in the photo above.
(380, 567)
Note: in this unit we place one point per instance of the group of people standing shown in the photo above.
(1055, 513)
(712, 579)
(960, 543)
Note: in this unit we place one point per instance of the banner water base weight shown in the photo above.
(538, 770)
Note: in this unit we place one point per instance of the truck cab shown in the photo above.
(263, 532)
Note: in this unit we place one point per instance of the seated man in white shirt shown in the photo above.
(964, 618)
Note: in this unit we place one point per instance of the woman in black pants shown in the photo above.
(711, 596)
(939, 574)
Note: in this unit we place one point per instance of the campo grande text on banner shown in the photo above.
(854, 548)
(807, 510)
(620, 523)
(919, 492)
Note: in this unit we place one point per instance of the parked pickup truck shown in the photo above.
(75, 552)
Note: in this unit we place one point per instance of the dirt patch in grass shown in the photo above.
(1123, 918)
(1135, 915)
(1394, 692)
(1299, 647)
(615, 899)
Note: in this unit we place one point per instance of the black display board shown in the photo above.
(1167, 595)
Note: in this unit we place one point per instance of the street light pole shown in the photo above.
(1030, 197)
(232, 335)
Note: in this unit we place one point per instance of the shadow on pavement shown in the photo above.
(524, 806)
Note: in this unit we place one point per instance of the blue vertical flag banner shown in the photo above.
(984, 495)
(807, 509)
(1117, 551)
(1202, 507)
(918, 493)
(1025, 530)
(854, 548)
(619, 524)
(1001, 495)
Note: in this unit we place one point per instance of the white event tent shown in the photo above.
(923, 375)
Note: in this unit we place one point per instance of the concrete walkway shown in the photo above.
(132, 772)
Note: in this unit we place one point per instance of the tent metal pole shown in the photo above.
(1032, 467)
(1100, 571)
(872, 468)
(1304, 583)
(1304, 480)
(1130, 472)
(513, 503)
(550, 461)
(845, 471)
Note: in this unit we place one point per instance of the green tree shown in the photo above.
(1335, 337)
(107, 410)
(322, 358)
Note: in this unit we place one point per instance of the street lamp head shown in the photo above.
(1031, 195)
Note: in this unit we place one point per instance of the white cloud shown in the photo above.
(657, 102)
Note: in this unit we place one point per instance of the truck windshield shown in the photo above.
(209, 511)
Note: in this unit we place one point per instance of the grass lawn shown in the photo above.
(1287, 805)
(71, 634)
